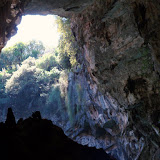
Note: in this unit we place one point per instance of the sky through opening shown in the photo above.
(42, 28)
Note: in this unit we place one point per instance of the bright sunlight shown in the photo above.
(41, 28)
(34, 68)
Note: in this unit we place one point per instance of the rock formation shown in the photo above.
(118, 76)
(36, 138)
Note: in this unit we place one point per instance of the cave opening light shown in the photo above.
(36, 27)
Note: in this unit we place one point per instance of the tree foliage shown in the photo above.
(3, 78)
(13, 56)
(29, 86)
(47, 62)
(32, 78)
(54, 102)
(29, 74)
(67, 47)
(34, 49)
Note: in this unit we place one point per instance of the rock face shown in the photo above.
(61, 7)
(119, 40)
(116, 84)
(10, 16)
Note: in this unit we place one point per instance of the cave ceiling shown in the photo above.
(11, 12)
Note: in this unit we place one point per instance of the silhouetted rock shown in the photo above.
(36, 115)
(36, 138)
(10, 121)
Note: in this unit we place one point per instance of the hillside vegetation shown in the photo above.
(33, 78)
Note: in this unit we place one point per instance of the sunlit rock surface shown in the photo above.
(115, 89)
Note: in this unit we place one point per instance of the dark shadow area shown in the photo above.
(36, 138)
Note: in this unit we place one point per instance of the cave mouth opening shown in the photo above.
(34, 64)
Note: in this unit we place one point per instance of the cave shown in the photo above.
(116, 81)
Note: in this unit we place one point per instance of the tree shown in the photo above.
(47, 62)
(65, 61)
(4, 76)
(7, 59)
(34, 49)
(18, 51)
(29, 87)
(26, 87)
(15, 55)
(67, 47)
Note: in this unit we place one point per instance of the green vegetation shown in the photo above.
(69, 104)
(67, 48)
(80, 96)
(12, 57)
(3, 78)
(33, 79)
(54, 102)
(47, 62)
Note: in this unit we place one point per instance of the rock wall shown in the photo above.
(115, 89)
(10, 16)
(119, 40)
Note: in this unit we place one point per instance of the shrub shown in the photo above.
(67, 44)
(4, 76)
(28, 87)
(47, 62)
(54, 100)
(24, 75)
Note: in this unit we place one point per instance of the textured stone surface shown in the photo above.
(10, 16)
(115, 102)
(60, 7)
(119, 40)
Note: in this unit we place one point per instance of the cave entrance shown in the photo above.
(34, 67)
(36, 36)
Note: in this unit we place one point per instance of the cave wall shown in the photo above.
(10, 16)
(115, 88)
(120, 43)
